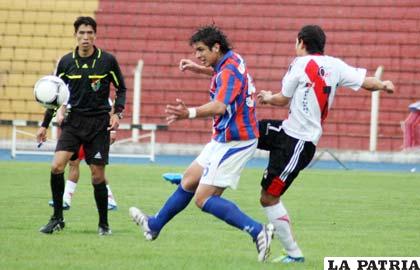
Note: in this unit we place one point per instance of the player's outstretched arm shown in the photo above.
(180, 111)
(187, 64)
(374, 84)
(267, 97)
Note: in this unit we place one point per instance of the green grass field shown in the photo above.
(334, 213)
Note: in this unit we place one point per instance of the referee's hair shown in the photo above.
(210, 35)
(84, 20)
(313, 37)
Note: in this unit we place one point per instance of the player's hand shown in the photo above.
(114, 122)
(176, 112)
(388, 87)
(264, 97)
(41, 135)
(187, 64)
(113, 137)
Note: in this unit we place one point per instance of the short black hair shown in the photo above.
(86, 20)
(210, 35)
(313, 37)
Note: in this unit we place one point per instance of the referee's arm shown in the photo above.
(41, 134)
(119, 84)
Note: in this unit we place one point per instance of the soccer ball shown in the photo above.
(51, 92)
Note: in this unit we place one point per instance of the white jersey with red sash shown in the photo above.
(311, 83)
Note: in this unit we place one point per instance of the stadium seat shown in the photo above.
(263, 32)
(34, 35)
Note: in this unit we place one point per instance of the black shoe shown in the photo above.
(55, 224)
(104, 230)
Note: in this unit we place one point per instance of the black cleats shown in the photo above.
(55, 224)
(104, 230)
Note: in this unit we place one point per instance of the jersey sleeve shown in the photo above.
(60, 70)
(119, 84)
(291, 79)
(48, 116)
(228, 86)
(350, 77)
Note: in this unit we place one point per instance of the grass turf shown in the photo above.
(334, 213)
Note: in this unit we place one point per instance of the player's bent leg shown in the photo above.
(152, 225)
(191, 176)
(278, 216)
(209, 200)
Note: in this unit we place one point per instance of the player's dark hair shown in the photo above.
(210, 35)
(313, 37)
(84, 20)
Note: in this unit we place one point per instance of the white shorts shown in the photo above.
(224, 162)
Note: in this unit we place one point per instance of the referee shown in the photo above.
(88, 71)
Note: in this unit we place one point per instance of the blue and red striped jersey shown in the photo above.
(232, 85)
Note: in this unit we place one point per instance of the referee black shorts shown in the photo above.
(89, 131)
(288, 156)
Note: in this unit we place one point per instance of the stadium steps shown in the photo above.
(33, 41)
(268, 9)
(37, 29)
(33, 34)
(363, 33)
(21, 66)
(16, 92)
(358, 141)
(278, 23)
(50, 5)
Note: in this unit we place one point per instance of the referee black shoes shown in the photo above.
(55, 224)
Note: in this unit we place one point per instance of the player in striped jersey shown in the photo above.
(309, 87)
(233, 143)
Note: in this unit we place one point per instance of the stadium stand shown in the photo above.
(34, 34)
(364, 33)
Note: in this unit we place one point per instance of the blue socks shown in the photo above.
(232, 215)
(215, 205)
(175, 204)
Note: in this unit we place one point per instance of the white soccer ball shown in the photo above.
(51, 92)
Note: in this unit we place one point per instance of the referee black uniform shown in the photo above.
(89, 72)
(89, 80)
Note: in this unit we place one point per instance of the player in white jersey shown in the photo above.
(309, 87)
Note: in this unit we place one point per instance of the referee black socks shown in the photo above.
(57, 190)
(101, 197)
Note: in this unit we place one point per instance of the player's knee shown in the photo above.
(57, 168)
(268, 200)
(97, 180)
(190, 182)
(199, 201)
(97, 177)
(97, 174)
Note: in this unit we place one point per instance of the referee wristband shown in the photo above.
(192, 113)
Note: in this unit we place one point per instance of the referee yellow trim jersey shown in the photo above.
(89, 80)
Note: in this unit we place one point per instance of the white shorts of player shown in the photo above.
(224, 162)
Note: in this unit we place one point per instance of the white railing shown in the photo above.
(151, 129)
(137, 100)
(135, 127)
(374, 114)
